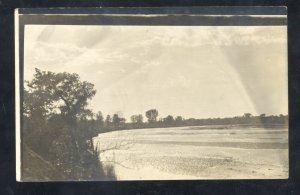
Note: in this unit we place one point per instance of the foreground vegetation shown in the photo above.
(55, 133)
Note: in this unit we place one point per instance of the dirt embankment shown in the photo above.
(35, 168)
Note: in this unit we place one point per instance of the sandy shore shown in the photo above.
(183, 153)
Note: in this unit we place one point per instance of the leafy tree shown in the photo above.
(169, 120)
(116, 120)
(179, 119)
(247, 115)
(262, 115)
(99, 120)
(55, 104)
(133, 118)
(59, 92)
(137, 119)
(152, 115)
(122, 122)
(108, 121)
(62, 93)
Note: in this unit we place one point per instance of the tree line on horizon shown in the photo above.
(152, 120)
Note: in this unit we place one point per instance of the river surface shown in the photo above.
(196, 153)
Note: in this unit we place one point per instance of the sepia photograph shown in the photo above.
(152, 96)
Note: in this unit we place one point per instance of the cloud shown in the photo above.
(99, 72)
(137, 45)
(217, 35)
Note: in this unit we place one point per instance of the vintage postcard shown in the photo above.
(186, 93)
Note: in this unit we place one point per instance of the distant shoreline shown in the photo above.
(211, 127)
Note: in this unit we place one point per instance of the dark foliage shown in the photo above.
(246, 120)
(57, 127)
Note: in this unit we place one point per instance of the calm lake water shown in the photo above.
(196, 153)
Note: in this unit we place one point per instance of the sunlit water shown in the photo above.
(195, 153)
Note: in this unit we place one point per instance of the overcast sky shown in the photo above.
(200, 72)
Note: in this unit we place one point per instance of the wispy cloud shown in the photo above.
(218, 36)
